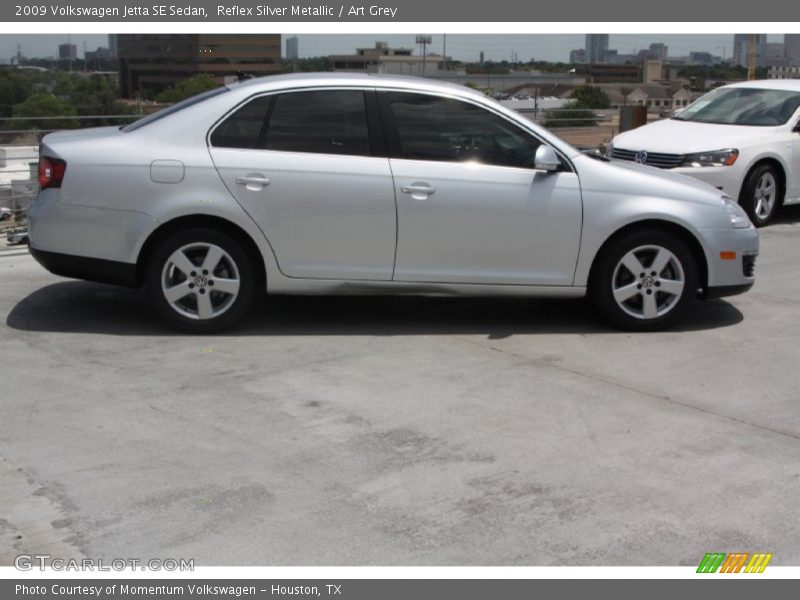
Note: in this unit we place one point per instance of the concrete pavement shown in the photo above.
(400, 431)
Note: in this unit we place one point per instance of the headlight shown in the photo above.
(736, 214)
(715, 158)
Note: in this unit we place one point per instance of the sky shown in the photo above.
(464, 47)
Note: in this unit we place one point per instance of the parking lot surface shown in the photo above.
(400, 431)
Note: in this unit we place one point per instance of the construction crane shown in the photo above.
(751, 57)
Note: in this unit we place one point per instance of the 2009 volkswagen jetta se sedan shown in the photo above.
(340, 183)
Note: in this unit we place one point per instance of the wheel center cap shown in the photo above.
(200, 280)
(648, 282)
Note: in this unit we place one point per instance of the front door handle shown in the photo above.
(418, 189)
(253, 180)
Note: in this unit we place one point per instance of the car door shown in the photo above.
(793, 187)
(304, 166)
(471, 207)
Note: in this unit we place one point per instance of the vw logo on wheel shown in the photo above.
(641, 157)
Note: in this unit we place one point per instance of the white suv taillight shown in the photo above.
(51, 172)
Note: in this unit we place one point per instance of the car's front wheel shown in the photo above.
(200, 280)
(761, 194)
(645, 280)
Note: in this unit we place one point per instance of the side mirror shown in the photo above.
(546, 159)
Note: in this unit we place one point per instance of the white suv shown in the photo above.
(743, 139)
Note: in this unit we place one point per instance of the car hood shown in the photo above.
(672, 136)
(642, 180)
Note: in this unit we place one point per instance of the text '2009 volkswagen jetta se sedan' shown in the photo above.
(323, 183)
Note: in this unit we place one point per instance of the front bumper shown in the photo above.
(730, 255)
(724, 291)
(725, 179)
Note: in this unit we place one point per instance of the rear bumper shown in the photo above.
(90, 269)
(77, 230)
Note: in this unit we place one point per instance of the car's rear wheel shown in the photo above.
(645, 280)
(200, 280)
(762, 194)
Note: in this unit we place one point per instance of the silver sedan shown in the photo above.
(354, 184)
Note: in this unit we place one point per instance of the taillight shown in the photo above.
(51, 172)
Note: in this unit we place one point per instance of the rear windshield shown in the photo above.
(165, 112)
(743, 106)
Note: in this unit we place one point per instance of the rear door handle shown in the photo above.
(417, 188)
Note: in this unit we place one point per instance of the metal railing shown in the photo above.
(19, 158)
(583, 128)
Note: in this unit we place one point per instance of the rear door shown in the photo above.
(307, 166)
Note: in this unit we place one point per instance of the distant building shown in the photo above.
(791, 47)
(67, 52)
(653, 71)
(656, 97)
(384, 59)
(157, 61)
(614, 74)
(771, 50)
(683, 97)
(658, 52)
(784, 72)
(577, 57)
(703, 59)
(292, 48)
(596, 47)
(774, 55)
(112, 44)
(741, 49)
(100, 55)
(613, 57)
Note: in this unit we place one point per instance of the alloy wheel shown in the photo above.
(648, 282)
(200, 281)
(764, 195)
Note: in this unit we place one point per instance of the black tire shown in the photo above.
(656, 301)
(203, 308)
(753, 198)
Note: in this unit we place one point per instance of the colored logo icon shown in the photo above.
(736, 562)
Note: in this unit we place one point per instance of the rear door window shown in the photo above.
(320, 121)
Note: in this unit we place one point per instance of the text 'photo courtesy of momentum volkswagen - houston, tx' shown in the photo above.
(343, 183)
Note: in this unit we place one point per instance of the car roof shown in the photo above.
(291, 80)
(240, 91)
(792, 85)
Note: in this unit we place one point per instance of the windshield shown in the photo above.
(164, 112)
(743, 106)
